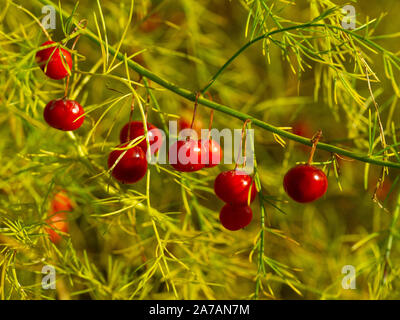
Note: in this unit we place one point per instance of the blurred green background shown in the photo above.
(166, 242)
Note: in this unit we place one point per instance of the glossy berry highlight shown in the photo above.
(234, 187)
(213, 153)
(305, 183)
(186, 155)
(131, 167)
(64, 114)
(234, 217)
(55, 62)
(135, 129)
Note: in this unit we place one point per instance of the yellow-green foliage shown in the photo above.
(279, 62)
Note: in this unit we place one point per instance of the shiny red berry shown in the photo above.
(64, 114)
(305, 183)
(185, 155)
(135, 129)
(131, 167)
(55, 62)
(234, 217)
(213, 152)
(234, 186)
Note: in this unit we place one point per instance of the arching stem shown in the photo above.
(187, 94)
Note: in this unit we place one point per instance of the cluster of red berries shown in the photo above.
(129, 164)
(234, 187)
(303, 183)
(238, 190)
(56, 63)
(192, 155)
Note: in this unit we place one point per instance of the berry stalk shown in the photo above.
(240, 115)
(314, 141)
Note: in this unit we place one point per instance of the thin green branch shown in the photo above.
(247, 45)
(389, 243)
(300, 26)
(237, 114)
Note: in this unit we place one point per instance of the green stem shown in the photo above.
(300, 26)
(248, 44)
(260, 269)
(234, 113)
(389, 243)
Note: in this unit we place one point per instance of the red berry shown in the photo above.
(184, 123)
(234, 217)
(234, 186)
(63, 114)
(55, 65)
(56, 222)
(131, 167)
(214, 153)
(61, 202)
(305, 183)
(185, 155)
(135, 129)
(383, 191)
(304, 129)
